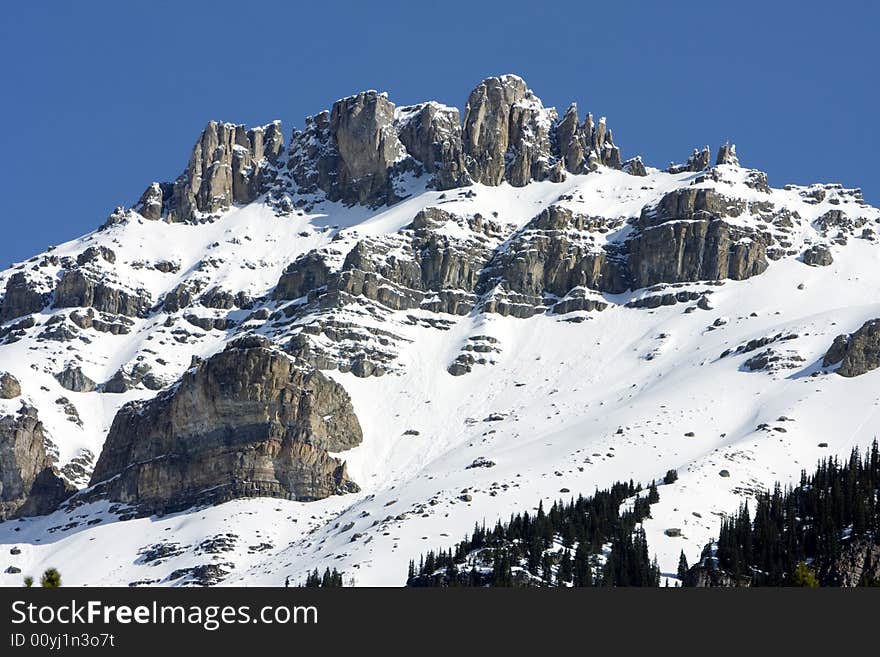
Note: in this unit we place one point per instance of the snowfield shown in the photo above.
(564, 407)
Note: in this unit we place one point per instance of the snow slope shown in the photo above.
(566, 406)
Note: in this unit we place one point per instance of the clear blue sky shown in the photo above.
(100, 98)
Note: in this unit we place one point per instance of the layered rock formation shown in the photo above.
(554, 261)
(857, 352)
(79, 288)
(29, 483)
(249, 421)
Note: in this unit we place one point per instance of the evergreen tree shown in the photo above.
(803, 576)
(682, 566)
(51, 579)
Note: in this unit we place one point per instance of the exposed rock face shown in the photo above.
(250, 421)
(509, 135)
(126, 379)
(22, 298)
(103, 323)
(702, 576)
(818, 255)
(694, 250)
(487, 129)
(552, 254)
(635, 167)
(308, 272)
(727, 155)
(229, 164)
(431, 133)
(362, 129)
(857, 352)
(151, 202)
(558, 261)
(9, 386)
(859, 562)
(351, 153)
(78, 289)
(29, 484)
(685, 238)
(437, 272)
(358, 151)
(698, 161)
(73, 379)
(95, 253)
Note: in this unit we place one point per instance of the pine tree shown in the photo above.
(682, 566)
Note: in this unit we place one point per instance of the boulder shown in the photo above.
(818, 255)
(9, 386)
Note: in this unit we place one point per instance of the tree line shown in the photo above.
(587, 541)
(797, 535)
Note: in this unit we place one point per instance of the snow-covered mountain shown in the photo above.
(349, 349)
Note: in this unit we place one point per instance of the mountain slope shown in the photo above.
(513, 318)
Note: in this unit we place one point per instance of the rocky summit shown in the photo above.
(403, 320)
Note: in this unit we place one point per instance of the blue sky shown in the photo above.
(101, 98)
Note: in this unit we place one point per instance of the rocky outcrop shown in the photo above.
(127, 378)
(101, 322)
(698, 161)
(857, 353)
(73, 379)
(9, 386)
(635, 167)
(76, 288)
(22, 297)
(727, 154)
(362, 130)
(307, 273)
(431, 133)
(818, 255)
(708, 249)
(858, 564)
(685, 238)
(229, 164)
(706, 575)
(553, 254)
(430, 269)
(250, 421)
(558, 261)
(349, 153)
(29, 484)
(509, 135)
